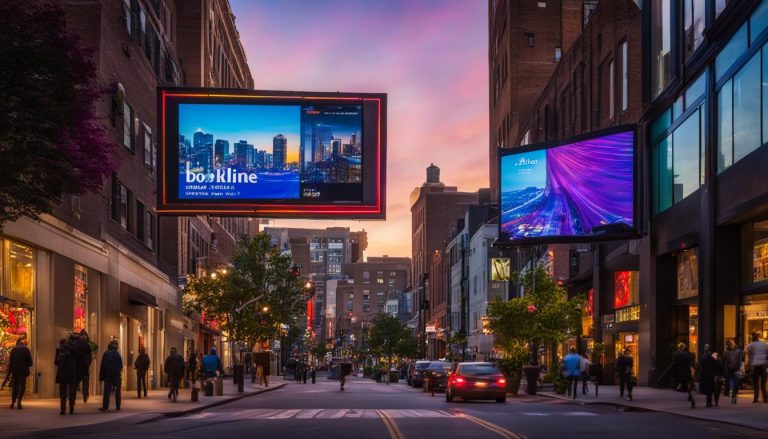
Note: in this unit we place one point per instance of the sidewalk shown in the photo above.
(744, 413)
(43, 414)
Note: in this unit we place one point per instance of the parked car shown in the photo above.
(436, 376)
(416, 373)
(476, 381)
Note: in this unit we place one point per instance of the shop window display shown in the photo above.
(15, 322)
(81, 299)
(688, 274)
(626, 289)
(760, 251)
(20, 266)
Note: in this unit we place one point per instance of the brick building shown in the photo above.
(364, 294)
(526, 40)
(435, 208)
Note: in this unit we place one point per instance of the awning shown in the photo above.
(141, 298)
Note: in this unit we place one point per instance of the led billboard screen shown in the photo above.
(273, 154)
(575, 191)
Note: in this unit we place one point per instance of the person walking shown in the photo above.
(192, 365)
(757, 359)
(572, 371)
(734, 369)
(66, 376)
(18, 367)
(624, 366)
(174, 367)
(584, 367)
(707, 372)
(81, 348)
(682, 364)
(110, 372)
(313, 374)
(142, 367)
(212, 364)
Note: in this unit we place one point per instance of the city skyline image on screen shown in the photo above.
(571, 190)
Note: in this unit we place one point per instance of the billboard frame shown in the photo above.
(372, 206)
(504, 242)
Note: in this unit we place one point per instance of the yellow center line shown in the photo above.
(394, 431)
(501, 431)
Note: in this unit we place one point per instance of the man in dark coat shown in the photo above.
(174, 367)
(142, 366)
(192, 365)
(683, 364)
(624, 365)
(81, 348)
(109, 372)
(707, 372)
(18, 368)
(66, 375)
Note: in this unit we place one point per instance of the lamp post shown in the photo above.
(239, 369)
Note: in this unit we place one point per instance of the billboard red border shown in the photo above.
(371, 210)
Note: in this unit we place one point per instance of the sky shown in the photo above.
(227, 122)
(429, 56)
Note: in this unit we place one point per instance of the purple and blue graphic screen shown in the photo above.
(569, 190)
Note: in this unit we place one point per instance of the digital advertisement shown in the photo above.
(277, 153)
(574, 190)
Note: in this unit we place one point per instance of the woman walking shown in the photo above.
(66, 376)
(683, 366)
(734, 369)
(707, 374)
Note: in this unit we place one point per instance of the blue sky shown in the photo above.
(257, 124)
(514, 178)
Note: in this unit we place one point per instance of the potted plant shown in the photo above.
(511, 366)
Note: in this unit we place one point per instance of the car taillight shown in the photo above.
(459, 381)
(502, 381)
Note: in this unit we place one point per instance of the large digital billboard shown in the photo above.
(579, 190)
(272, 154)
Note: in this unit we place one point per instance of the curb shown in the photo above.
(178, 413)
(619, 405)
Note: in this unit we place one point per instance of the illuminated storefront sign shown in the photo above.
(629, 314)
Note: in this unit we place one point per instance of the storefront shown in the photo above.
(17, 299)
(626, 317)
(754, 309)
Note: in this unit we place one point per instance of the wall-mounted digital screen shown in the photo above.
(273, 154)
(575, 191)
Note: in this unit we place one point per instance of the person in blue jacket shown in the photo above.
(211, 364)
(572, 371)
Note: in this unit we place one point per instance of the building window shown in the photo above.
(379, 280)
(624, 78)
(661, 46)
(148, 148)
(736, 46)
(366, 295)
(349, 305)
(149, 229)
(611, 89)
(760, 252)
(20, 265)
(558, 54)
(589, 8)
(391, 282)
(738, 113)
(124, 207)
(529, 36)
(366, 307)
(128, 126)
(81, 298)
(695, 21)
(758, 21)
(140, 228)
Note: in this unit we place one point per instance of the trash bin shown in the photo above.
(393, 376)
(208, 387)
(219, 386)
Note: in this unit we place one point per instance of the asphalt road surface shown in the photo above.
(367, 409)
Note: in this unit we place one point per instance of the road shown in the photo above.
(367, 409)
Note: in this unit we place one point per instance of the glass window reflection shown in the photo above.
(746, 109)
(685, 157)
(735, 47)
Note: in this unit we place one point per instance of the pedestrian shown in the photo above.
(192, 365)
(305, 373)
(18, 367)
(624, 366)
(299, 372)
(572, 371)
(174, 367)
(66, 376)
(142, 366)
(707, 373)
(682, 364)
(757, 359)
(734, 369)
(584, 367)
(314, 374)
(81, 348)
(248, 361)
(212, 364)
(260, 373)
(110, 372)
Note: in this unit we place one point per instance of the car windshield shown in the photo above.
(478, 369)
(439, 366)
(421, 365)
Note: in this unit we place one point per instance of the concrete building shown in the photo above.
(435, 208)
(320, 254)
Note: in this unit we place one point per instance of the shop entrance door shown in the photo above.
(629, 340)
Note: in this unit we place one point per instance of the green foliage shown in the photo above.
(258, 270)
(515, 356)
(598, 349)
(408, 346)
(386, 333)
(544, 315)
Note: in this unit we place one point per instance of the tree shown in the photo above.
(51, 141)
(408, 346)
(258, 272)
(544, 315)
(387, 332)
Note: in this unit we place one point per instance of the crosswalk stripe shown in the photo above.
(253, 414)
(286, 414)
(307, 414)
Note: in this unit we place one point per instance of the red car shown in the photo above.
(476, 381)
